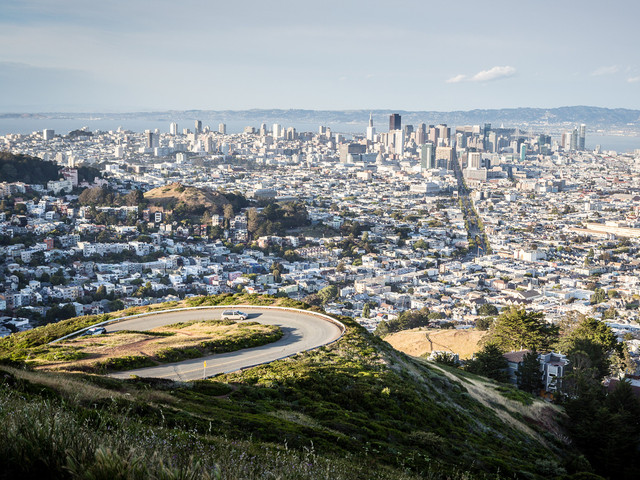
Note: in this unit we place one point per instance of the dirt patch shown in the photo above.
(417, 342)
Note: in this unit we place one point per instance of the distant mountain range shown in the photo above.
(592, 116)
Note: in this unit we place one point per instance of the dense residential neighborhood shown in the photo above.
(436, 217)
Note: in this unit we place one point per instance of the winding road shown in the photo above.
(302, 331)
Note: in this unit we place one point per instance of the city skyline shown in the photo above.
(144, 55)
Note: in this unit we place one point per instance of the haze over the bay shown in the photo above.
(158, 55)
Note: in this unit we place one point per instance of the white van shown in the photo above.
(233, 315)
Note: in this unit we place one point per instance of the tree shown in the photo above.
(593, 339)
(517, 329)
(487, 309)
(490, 363)
(366, 311)
(529, 374)
(328, 293)
(484, 323)
(599, 296)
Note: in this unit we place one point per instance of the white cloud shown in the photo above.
(457, 79)
(485, 75)
(633, 79)
(493, 74)
(610, 70)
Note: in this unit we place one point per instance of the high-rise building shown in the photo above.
(444, 132)
(198, 126)
(581, 137)
(173, 128)
(574, 140)
(474, 160)
(395, 122)
(222, 128)
(398, 142)
(421, 134)
(445, 156)
(371, 130)
(523, 152)
(276, 131)
(427, 159)
(47, 134)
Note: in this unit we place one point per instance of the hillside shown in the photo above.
(175, 193)
(419, 341)
(354, 409)
(27, 169)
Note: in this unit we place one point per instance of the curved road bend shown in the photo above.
(301, 332)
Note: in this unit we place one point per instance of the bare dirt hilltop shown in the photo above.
(419, 341)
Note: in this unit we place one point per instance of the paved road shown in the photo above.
(301, 332)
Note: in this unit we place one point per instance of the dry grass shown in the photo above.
(511, 412)
(77, 390)
(123, 344)
(418, 342)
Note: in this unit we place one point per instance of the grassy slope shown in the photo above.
(357, 408)
(176, 193)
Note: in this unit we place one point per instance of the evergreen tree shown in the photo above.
(529, 374)
(490, 363)
(517, 329)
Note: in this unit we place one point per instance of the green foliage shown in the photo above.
(328, 293)
(599, 296)
(490, 363)
(592, 339)
(487, 309)
(606, 428)
(507, 391)
(484, 323)
(446, 358)
(529, 373)
(276, 219)
(518, 330)
(405, 321)
(27, 169)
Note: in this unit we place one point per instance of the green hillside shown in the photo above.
(27, 169)
(355, 409)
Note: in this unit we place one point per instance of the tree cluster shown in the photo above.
(405, 321)
(27, 169)
(276, 219)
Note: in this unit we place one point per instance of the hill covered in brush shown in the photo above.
(354, 409)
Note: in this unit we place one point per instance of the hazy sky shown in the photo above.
(131, 55)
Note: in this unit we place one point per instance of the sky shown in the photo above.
(156, 55)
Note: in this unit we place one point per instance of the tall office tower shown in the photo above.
(276, 131)
(523, 152)
(222, 128)
(408, 130)
(433, 135)
(173, 128)
(444, 132)
(291, 134)
(398, 142)
(371, 130)
(149, 137)
(198, 126)
(581, 137)
(427, 160)
(47, 134)
(421, 134)
(574, 140)
(474, 160)
(461, 140)
(445, 157)
(263, 129)
(395, 122)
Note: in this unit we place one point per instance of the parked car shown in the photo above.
(234, 315)
(95, 331)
